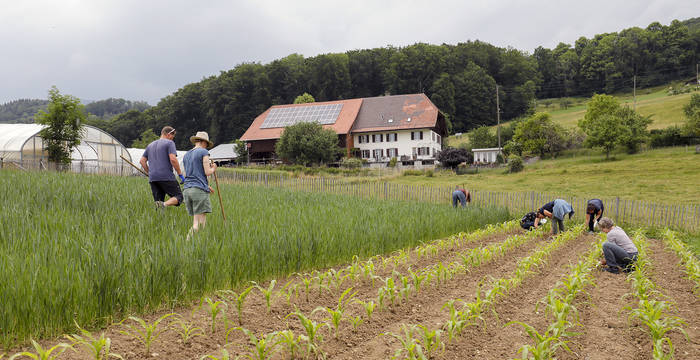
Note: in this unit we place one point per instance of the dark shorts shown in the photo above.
(161, 188)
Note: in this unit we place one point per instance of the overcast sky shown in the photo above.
(147, 49)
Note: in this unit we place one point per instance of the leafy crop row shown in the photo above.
(688, 260)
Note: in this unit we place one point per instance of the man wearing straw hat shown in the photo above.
(196, 190)
(159, 159)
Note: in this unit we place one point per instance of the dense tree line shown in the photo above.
(111, 107)
(460, 79)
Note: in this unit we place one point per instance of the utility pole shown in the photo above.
(634, 92)
(498, 118)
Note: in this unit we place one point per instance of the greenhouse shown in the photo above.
(98, 153)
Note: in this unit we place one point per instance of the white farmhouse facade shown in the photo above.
(486, 155)
(404, 145)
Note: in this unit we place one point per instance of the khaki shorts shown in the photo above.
(197, 201)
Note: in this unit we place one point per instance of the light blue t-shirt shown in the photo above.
(158, 155)
(194, 169)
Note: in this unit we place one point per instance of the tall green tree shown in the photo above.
(601, 124)
(304, 98)
(692, 115)
(635, 126)
(538, 134)
(147, 137)
(64, 123)
(308, 143)
(482, 137)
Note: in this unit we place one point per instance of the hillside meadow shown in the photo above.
(667, 176)
(664, 110)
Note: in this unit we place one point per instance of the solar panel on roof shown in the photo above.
(326, 114)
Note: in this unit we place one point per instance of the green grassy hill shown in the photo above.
(664, 110)
(668, 175)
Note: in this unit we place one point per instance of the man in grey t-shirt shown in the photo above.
(158, 160)
(619, 250)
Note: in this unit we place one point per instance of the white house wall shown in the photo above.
(404, 144)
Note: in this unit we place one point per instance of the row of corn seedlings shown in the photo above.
(651, 311)
(264, 345)
(68, 254)
(688, 260)
(472, 313)
(559, 304)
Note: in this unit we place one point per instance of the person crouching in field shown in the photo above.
(196, 190)
(555, 210)
(460, 195)
(594, 211)
(618, 250)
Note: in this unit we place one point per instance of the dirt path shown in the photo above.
(670, 280)
(499, 341)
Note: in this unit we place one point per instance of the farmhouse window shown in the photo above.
(365, 154)
(391, 137)
(416, 135)
(392, 152)
(432, 136)
(378, 153)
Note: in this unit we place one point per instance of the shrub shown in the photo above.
(351, 163)
(412, 172)
(429, 173)
(392, 162)
(515, 164)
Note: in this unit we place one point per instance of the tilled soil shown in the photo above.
(604, 331)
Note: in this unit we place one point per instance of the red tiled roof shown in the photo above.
(342, 125)
(405, 112)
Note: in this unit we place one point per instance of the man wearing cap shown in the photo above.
(158, 160)
(197, 189)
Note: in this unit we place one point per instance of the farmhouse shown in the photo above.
(409, 128)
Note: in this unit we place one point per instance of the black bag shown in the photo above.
(528, 221)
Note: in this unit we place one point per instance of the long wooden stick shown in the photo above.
(218, 192)
(132, 164)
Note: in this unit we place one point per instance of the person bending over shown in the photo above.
(461, 196)
(619, 251)
(594, 211)
(555, 210)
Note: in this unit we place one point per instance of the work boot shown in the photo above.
(160, 205)
(612, 269)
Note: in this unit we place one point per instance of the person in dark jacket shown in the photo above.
(528, 221)
(594, 211)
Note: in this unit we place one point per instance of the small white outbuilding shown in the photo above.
(486, 155)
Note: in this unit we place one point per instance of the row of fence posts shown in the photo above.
(635, 212)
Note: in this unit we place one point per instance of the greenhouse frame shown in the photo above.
(98, 152)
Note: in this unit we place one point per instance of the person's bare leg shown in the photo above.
(171, 202)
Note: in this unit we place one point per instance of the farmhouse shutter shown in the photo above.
(412, 135)
(421, 135)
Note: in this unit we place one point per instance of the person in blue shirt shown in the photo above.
(461, 196)
(158, 160)
(197, 189)
(555, 210)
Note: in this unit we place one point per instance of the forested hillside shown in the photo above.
(23, 110)
(461, 79)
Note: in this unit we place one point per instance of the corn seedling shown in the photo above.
(368, 306)
(545, 346)
(355, 321)
(456, 323)
(267, 293)
(144, 332)
(690, 263)
(410, 347)
(187, 330)
(214, 308)
(430, 339)
(98, 347)
(418, 278)
(224, 356)
(264, 345)
(313, 337)
(43, 354)
(291, 341)
(288, 290)
(336, 315)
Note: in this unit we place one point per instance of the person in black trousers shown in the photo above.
(594, 211)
